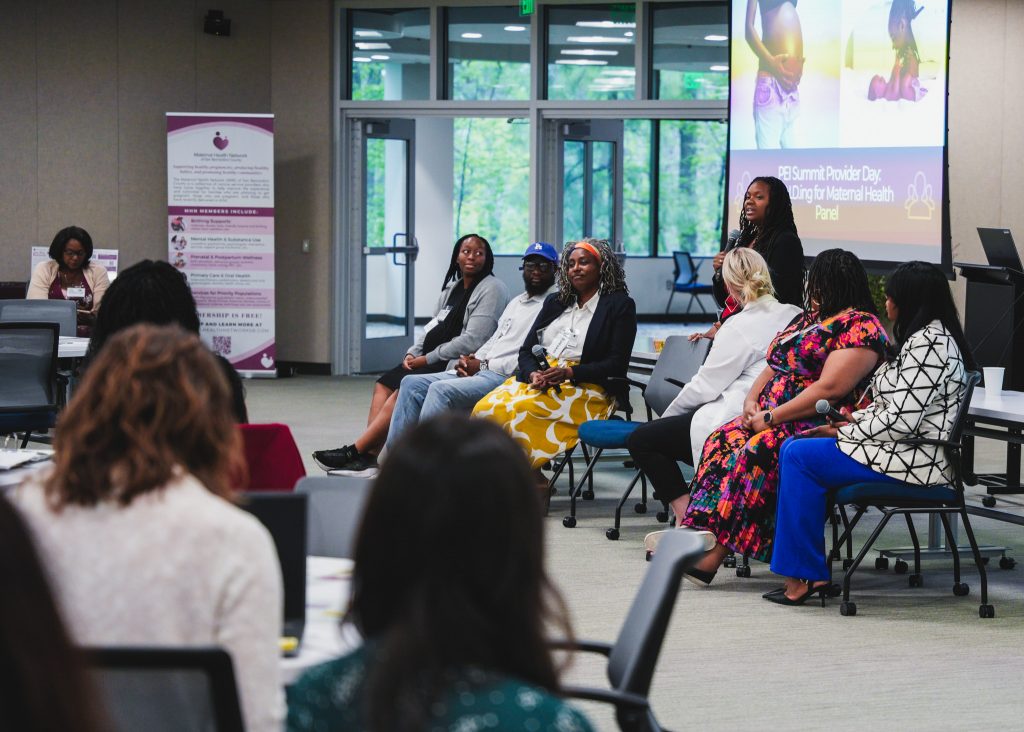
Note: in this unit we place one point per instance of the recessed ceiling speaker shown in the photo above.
(216, 24)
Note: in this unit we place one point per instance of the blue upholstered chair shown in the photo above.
(686, 282)
(677, 364)
(907, 499)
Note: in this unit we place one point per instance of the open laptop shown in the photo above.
(285, 516)
(1000, 249)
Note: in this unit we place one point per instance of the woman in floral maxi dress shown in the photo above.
(828, 352)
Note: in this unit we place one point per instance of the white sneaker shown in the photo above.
(652, 539)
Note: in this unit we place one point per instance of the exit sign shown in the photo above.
(526, 7)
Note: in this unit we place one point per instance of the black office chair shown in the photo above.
(28, 387)
(167, 689)
(631, 661)
(685, 280)
(907, 499)
(336, 504)
(62, 312)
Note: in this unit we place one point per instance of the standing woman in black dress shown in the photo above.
(767, 226)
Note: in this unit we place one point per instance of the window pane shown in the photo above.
(690, 54)
(636, 179)
(488, 54)
(590, 52)
(491, 192)
(691, 169)
(390, 54)
(573, 161)
(602, 167)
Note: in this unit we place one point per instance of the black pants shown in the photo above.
(656, 446)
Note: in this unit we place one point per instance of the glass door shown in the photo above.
(389, 245)
(590, 167)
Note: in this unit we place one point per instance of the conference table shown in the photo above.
(996, 416)
(328, 584)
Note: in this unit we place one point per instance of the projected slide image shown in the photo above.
(845, 102)
(893, 78)
(785, 74)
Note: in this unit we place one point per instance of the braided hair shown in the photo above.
(453, 272)
(613, 276)
(778, 218)
(837, 281)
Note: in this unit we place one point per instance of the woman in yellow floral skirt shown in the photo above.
(587, 331)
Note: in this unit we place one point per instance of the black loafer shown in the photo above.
(699, 577)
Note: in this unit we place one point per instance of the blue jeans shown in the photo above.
(422, 396)
(812, 470)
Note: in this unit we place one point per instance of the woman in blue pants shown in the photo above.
(914, 395)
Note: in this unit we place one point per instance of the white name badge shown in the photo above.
(74, 292)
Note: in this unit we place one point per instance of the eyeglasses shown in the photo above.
(537, 266)
(76, 253)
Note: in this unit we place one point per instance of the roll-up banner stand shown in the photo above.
(220, 230)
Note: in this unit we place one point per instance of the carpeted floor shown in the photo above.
(910, 659)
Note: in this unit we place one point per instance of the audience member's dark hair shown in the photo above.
(64, 236)
(450, 569)
(155, 292)
(43, 681)
(837, 281)
(153, 403)
(453, 272)
(778, 218)
(921, 293)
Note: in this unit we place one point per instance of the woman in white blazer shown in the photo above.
(716, 393)
(915, 395)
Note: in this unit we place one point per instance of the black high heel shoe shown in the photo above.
(779, 598)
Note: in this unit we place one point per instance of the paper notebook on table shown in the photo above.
(16, 458)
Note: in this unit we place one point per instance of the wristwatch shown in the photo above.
(768, 417)
(483, 364)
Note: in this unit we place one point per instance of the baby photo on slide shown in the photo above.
(893, 78)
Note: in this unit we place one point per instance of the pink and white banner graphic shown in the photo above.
(220, 230)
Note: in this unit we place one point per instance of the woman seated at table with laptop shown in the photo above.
(916, 395)
(135, 523)
(716, 393)
(70, 275)
(586, 331)
(453, 610)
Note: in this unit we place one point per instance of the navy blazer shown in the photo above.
(606, 349)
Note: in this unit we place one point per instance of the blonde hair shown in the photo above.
(745, 273)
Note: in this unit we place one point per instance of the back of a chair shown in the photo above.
(633, 658)
(62, 312)
(28, 362)
(960, 421)
(336, 506)
(685, 272)
(272, 456)
(15, 290)
(167, 689)
(679, 360)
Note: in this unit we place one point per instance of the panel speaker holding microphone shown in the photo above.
(581, 339)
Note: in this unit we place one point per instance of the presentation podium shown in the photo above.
(993, 319)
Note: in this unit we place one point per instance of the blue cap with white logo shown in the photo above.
(542, 249)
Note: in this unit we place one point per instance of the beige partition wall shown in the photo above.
(84, 87)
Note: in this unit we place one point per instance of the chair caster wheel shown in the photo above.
(916, 580)
(648, 556)
(1007, 563)
(961, 589)
(834, 590)
(847, 563)
(612, 534)
(640, 508)
(880, 563)
(588, 495)
(569, 522)
(901, 567)
(743, 571)
(986, 611)
(988, 501)
(662, 517)
(848, 608)
(730, 561)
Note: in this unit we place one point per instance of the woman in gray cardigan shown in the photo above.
(465, 316)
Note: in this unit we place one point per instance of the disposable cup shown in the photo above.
(993, 380)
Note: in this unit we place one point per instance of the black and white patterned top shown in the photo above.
(915, 395)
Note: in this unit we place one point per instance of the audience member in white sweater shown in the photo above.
(135, 520)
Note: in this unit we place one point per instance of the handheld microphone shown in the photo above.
(824, 408)
(734, 235)
(542, 362)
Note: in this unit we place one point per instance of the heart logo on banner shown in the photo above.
(220, 142)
